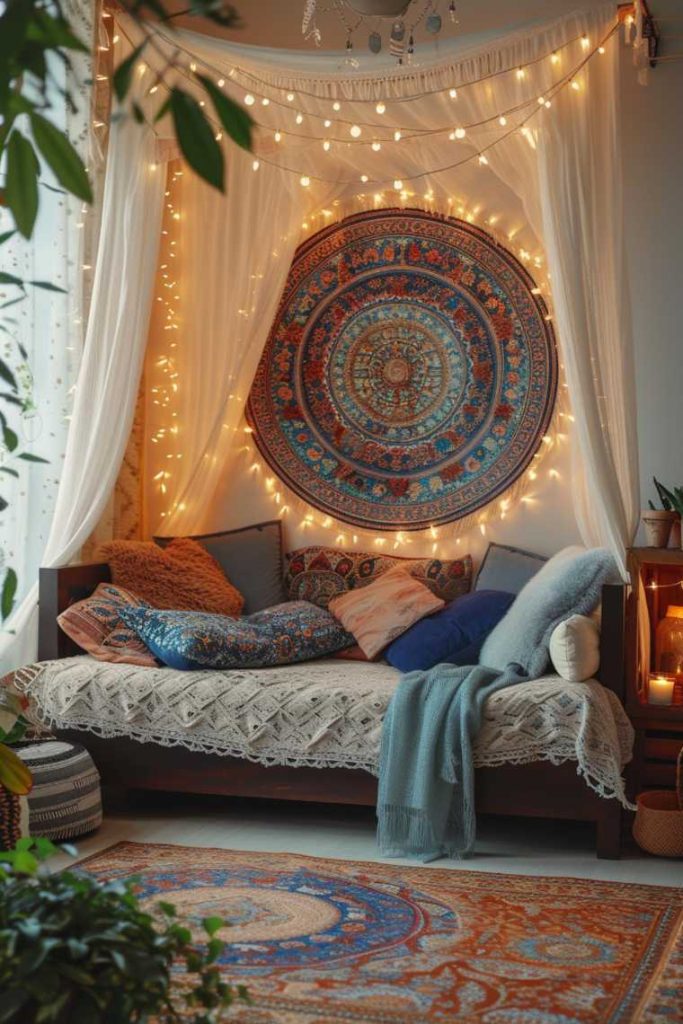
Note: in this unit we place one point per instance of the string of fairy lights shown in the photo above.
(262, 97)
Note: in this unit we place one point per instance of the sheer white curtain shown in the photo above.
(559, 164)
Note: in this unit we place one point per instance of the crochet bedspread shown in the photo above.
(325, 713)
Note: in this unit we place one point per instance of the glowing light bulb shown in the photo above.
(277, 136)
(363, 178)
(249, 100)
(541, 100)
(554, 57)
(290, 97)
(354, 131)
(377, 146)
(326, 145)
(336, 105)
(193, 66)
(502, 121)
(547, 104)
(255, 165)
(521, 73)
(575, 86)
(380, 108)
(398, 184)
(299, 118)
(482, 159)
(601, 50)
(220, 83)
(585, 42)
(397, 136)
(305, 180)
(327, 124)
(265, 102)
(453, 93)
(460, 133)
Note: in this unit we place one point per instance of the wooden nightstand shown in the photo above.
(659, 728)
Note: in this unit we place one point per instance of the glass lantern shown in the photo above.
(669, 642)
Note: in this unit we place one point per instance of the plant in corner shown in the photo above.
(75, 950)
(672, 502)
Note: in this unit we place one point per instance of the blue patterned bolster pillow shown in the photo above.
(287, 633)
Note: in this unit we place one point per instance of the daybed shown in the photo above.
(311, 731)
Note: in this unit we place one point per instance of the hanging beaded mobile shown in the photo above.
(402, 31)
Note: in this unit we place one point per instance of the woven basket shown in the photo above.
(658, 827)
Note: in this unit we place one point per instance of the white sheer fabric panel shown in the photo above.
(114, 349)
(561, 173)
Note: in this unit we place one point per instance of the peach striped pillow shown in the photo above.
(380, 612)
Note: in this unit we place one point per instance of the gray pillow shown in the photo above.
(251, 558)
(506, 568)
(570, 583)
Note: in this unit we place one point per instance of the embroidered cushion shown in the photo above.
(251, 558)
(380, 612)
(454, 634)
(181, 576)
(290, 632)
(318, 574)
(95, 624)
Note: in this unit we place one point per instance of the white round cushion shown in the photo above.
(575, 648)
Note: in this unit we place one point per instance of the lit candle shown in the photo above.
(661, 689)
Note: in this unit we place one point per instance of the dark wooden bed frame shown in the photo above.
(539, 789)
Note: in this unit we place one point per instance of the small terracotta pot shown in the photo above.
(658, 524)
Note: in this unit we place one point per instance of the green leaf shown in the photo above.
(9, 590)
(15, 776)
(9, 471)
(6, 235)
(124, 72)
(53, 32)
(196, 139)
(167, 908)
(30, 457)
(65, 162)
(48, 286)
(13, 27)
(10, 438)
(236, 121)
(7, 375)
(213, 924)
(6, 278)
(21, 183)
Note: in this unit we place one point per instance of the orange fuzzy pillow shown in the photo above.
(182, 575)
(380, 612)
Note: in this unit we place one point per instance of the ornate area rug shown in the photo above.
(321, 941)
(410, 372)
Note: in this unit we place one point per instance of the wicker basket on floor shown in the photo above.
(658, 827)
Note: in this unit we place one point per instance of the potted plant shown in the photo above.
(672, 501)
(76, 949)
(658, 522)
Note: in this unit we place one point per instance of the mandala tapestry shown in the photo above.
(410, 372)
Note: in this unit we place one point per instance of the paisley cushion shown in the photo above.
(318, 574)
(290, 632)
(95, 624)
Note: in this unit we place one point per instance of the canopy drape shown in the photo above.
(541, 145)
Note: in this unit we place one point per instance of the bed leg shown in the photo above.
(609, 830)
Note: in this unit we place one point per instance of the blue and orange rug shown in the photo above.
(320, 941)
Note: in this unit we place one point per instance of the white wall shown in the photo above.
(653, 177)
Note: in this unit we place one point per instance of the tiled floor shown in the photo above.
(516, 846)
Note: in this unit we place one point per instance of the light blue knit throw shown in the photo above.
(425, 801)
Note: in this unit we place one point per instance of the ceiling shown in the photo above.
(277, 23)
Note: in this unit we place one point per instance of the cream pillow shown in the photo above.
(575, 648)
(380, 612)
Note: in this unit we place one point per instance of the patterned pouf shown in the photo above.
(65, 801)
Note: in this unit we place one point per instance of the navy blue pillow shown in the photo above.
(455, 634)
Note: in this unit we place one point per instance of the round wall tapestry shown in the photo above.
(409, 374)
